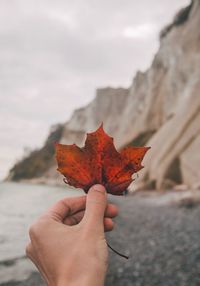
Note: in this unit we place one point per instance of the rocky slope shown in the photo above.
(160, 109)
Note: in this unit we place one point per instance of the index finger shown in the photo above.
(66, 207)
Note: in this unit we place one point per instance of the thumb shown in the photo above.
(96, 203)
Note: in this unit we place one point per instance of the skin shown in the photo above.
(67, 243)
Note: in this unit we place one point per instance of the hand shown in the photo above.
(68, 244)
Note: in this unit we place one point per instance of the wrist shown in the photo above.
(87, 279)
(77, 273)
(83, 282)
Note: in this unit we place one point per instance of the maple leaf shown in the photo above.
(98, 162)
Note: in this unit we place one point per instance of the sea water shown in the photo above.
(20, 205)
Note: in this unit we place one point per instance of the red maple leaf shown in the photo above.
(98, 162)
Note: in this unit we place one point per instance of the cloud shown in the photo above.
(144, 31)
(53, 55)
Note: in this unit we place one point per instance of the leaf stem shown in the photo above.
(120, 254)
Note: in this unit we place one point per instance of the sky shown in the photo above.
(54, 54)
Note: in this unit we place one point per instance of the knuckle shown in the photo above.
(31, 230)
(28, 250)
(37, 227)
(34, 230)
(96, 202)
(110, 228)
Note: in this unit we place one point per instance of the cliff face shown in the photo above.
(160, 109)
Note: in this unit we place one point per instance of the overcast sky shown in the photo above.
(54, 54)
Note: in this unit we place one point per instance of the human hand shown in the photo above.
(68, 244)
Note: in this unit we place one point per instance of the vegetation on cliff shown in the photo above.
(37, 162)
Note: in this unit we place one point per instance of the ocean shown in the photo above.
(20, 205)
